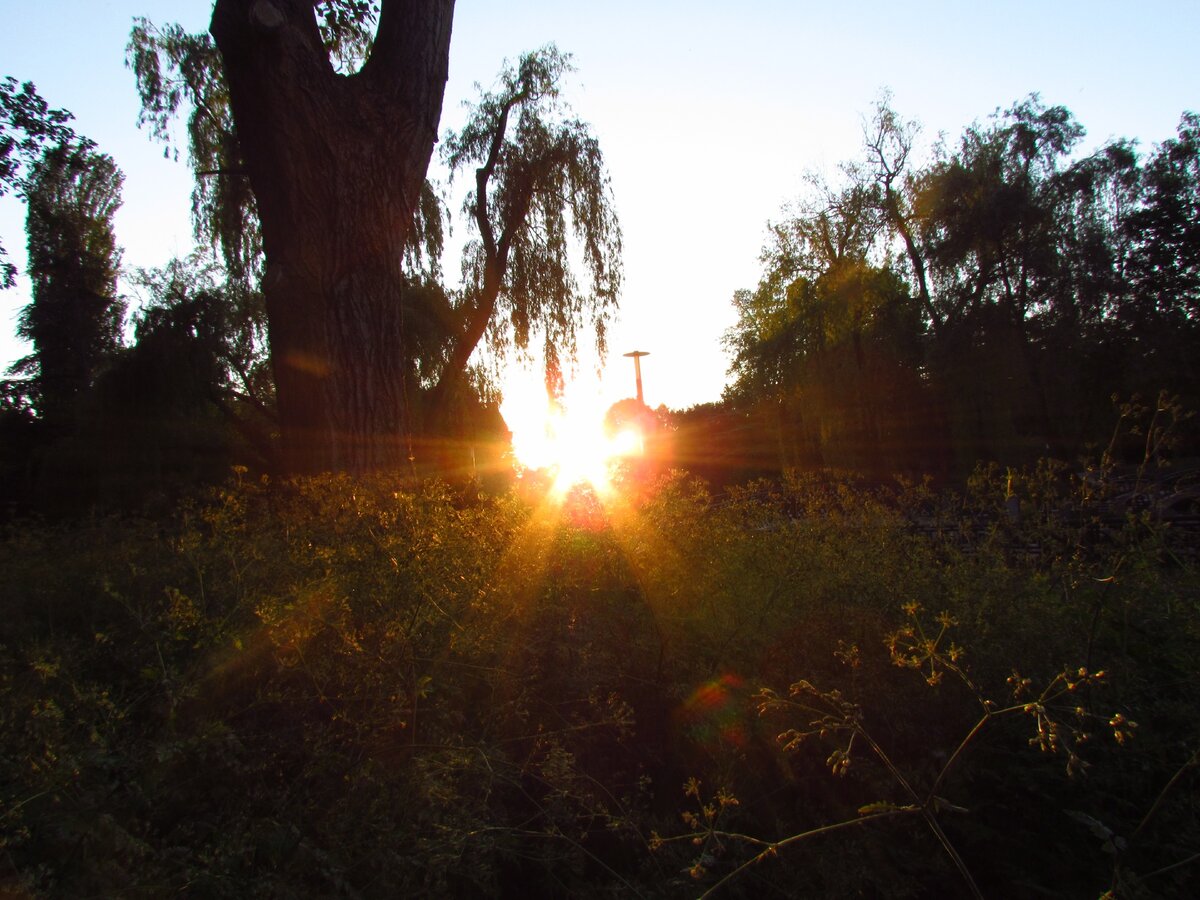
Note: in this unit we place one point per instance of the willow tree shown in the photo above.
(540, 208)
(335, 155)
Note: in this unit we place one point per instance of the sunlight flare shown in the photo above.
(565, 438)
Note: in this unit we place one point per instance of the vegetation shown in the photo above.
(985, 305)
(539, 181)
(365, 688)
(199, 388)
(539, 185)
(27, 127)
(74, 319)
(758, 663)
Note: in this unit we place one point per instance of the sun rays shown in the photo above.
(567, 439)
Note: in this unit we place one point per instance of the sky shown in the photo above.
(709, 116)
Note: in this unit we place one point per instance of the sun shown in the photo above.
(567, 438)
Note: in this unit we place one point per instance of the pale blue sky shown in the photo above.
(709, 115)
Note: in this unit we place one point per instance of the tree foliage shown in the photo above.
(28, 125)
(310, 130)
(75, 316)
(174, 70)
(190, 396)
(177, 72)
(541, 194)
(1028, 284)
(540, 208)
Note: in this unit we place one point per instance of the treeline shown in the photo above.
(988, 304)
(120, 403)
(1008, 299)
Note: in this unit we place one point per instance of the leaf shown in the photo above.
(1098, 828)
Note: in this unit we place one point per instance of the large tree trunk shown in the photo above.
(336, 164)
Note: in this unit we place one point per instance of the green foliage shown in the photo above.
(346, 28)
(176, 70)
(218, 314)
(170, 412)
(26, 114)
(543, 191)
(179, 72)
(368, 688)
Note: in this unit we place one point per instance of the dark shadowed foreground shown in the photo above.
(361, 689)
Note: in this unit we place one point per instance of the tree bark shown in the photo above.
(336, 164)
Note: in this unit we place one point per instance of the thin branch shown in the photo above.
(931, 820)
(773, 848)
(927, 814)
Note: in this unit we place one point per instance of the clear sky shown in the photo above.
(709, 115)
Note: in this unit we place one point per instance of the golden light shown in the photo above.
(568, 439)
(628, 442)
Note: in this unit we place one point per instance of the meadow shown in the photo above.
(816, 686)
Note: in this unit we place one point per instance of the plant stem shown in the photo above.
(795, 838)
(1194, 760)
(962, 745)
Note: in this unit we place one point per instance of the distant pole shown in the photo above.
(637, 368)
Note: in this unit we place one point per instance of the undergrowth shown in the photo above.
(364, 688)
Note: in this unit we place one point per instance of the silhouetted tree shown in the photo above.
(1027, 288)
(336, 161)
(1162, 311)
(826, 350)
(172, 411)
(539, 187)
(74, 318)
(27, 126)
(539, 181)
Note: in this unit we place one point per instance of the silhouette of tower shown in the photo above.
(637, 368)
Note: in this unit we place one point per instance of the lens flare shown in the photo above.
(715, 713)
(565, 438)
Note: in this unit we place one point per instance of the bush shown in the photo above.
(369, 688)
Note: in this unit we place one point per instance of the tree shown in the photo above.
(830, 228)
(996, 218)
(335, 161)
(187, 399)
(889, 144)
(1035, 286)
(355, 378)
(826, 350)
(1162, 312)
(336, 164)
(27, 126)
(74, 318)
(189, 331)
(224, 215)
(539, 181)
